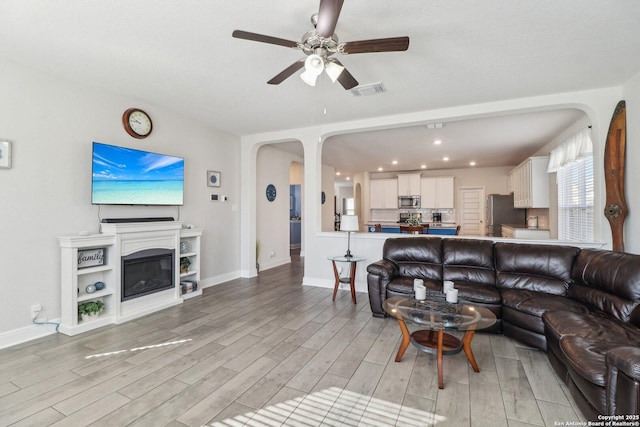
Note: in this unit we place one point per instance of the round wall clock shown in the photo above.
(137, 123)
(271, 192)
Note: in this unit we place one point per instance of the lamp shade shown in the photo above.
(333, 70)
(349, 223)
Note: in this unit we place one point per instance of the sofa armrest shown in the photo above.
(384, 268)
(379, 275)
(623, 380)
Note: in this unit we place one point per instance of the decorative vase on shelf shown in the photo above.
(184, 247)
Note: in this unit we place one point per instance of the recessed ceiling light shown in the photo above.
(472, 163)
(337, 173)
(380, 169)
(423, 166)
(348, 178)
(437, 142)
(394, 162)
(446, 159)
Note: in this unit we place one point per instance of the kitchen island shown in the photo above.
(440, 228)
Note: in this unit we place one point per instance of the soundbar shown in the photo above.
(144, 219)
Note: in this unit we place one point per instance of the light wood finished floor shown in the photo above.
(270, 352)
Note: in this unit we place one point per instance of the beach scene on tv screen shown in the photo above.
(124, 176)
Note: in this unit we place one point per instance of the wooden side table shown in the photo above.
(351, 279)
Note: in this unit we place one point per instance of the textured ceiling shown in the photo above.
(180, 55)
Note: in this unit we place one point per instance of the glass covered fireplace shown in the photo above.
(146, 272)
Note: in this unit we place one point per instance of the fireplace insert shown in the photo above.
(146, 272)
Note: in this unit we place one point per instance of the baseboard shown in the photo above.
(217, 280)
(273, 263)
(27, 333)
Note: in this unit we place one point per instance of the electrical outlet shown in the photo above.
(35, 310)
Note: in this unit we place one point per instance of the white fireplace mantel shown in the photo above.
(119, 240)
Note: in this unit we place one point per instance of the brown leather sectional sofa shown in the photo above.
(581, 306)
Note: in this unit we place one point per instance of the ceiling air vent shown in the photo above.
(366, 90)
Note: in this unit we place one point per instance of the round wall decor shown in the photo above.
(271, 192)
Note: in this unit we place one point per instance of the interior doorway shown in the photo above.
(471, 217)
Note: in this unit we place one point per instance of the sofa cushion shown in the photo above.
(613, 272)
(469, 260)
(475, 292)
(404, 285)
(595, 325)
(586, 356)
(608, 281)
(536, 303)
(606, 302)
(416, 257)
(525, 308)
(539, 268)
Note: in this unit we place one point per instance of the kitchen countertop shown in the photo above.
(523, 227)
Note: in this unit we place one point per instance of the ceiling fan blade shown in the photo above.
(286, 73)
(345, 78)
(328, 17)
(392, 44)
(239, 34)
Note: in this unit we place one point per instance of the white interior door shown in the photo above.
(471, 216)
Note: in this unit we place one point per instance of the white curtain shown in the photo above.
(573, 149)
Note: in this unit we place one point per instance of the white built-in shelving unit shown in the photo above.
(118, 240)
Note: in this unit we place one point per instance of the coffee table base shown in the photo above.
(437, 342)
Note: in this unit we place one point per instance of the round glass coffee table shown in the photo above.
(435, 316)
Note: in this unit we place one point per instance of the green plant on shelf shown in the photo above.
(90, 308)
(185, 263)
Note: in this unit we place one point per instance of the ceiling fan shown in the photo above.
(321, 44)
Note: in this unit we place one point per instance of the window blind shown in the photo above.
(575, 200)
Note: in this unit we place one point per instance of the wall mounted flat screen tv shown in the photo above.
(124, 176)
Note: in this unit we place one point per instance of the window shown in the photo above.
(573, 162)
(575, 200)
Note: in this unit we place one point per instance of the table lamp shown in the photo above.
(349, 223)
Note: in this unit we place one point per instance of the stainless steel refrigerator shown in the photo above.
(500, 211)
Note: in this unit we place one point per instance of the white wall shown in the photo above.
(272, 218)
(327, 209)
(46, 193)
(631, 94)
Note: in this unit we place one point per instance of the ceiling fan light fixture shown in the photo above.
(313, 66)
(309, 78)
(333, 70)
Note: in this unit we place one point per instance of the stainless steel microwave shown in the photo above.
(409, 202)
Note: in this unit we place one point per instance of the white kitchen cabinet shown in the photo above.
(437, 193)
(409, 184)
(529, 182)
(384, 194)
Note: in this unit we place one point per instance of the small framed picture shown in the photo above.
(213, 179)
(5, 154)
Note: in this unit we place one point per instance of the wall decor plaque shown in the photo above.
(90, 257)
